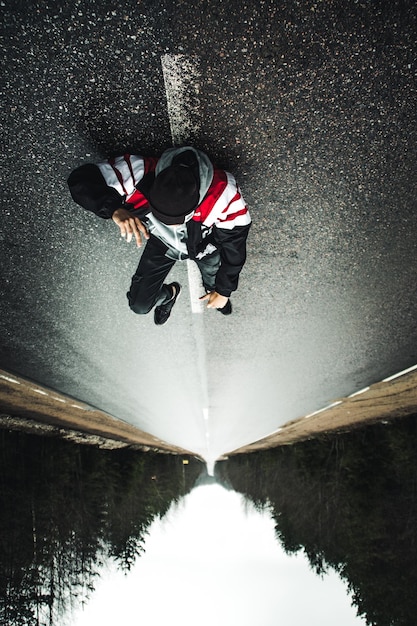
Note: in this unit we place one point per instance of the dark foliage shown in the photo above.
(349, 502)
(64, 508)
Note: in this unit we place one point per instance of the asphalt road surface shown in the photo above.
(312, 105)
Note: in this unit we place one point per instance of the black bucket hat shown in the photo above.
(174, 194)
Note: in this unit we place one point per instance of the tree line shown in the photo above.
(349, 502)
(66, 508)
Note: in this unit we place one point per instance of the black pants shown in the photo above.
(148, 289)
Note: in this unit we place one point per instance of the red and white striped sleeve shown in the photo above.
(123, 173)
(224, 205)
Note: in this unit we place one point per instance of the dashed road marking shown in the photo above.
(410, 369)
(325, 408)
(9, 379)
(357, 393)
(181, 78)
(194, 286)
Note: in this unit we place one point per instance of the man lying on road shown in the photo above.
(184, 208)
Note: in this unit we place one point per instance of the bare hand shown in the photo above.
(130, 226)
(215, 300)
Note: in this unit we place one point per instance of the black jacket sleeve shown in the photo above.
(232, 247)
(89, 189)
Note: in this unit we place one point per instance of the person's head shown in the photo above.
(174, 194)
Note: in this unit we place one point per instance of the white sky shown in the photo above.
(213, 562)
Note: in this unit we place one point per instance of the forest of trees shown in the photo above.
(64, 509)
(349, 501)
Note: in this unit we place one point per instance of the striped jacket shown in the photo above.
(221, 221)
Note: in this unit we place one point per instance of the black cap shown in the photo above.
(174, 194)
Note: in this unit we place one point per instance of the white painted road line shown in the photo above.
(357, 393)
(181, 78)
(410, 369)
(329, 406)
(10, 380)
(195, 288)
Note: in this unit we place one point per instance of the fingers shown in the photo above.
(135, 231)
(126, 230)
(211, 297)
(133, 227)
(138, 229)
(215, 300)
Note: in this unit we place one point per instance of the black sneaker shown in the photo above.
(163, 311)
(227, 309)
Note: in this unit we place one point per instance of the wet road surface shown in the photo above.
(313, 107)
